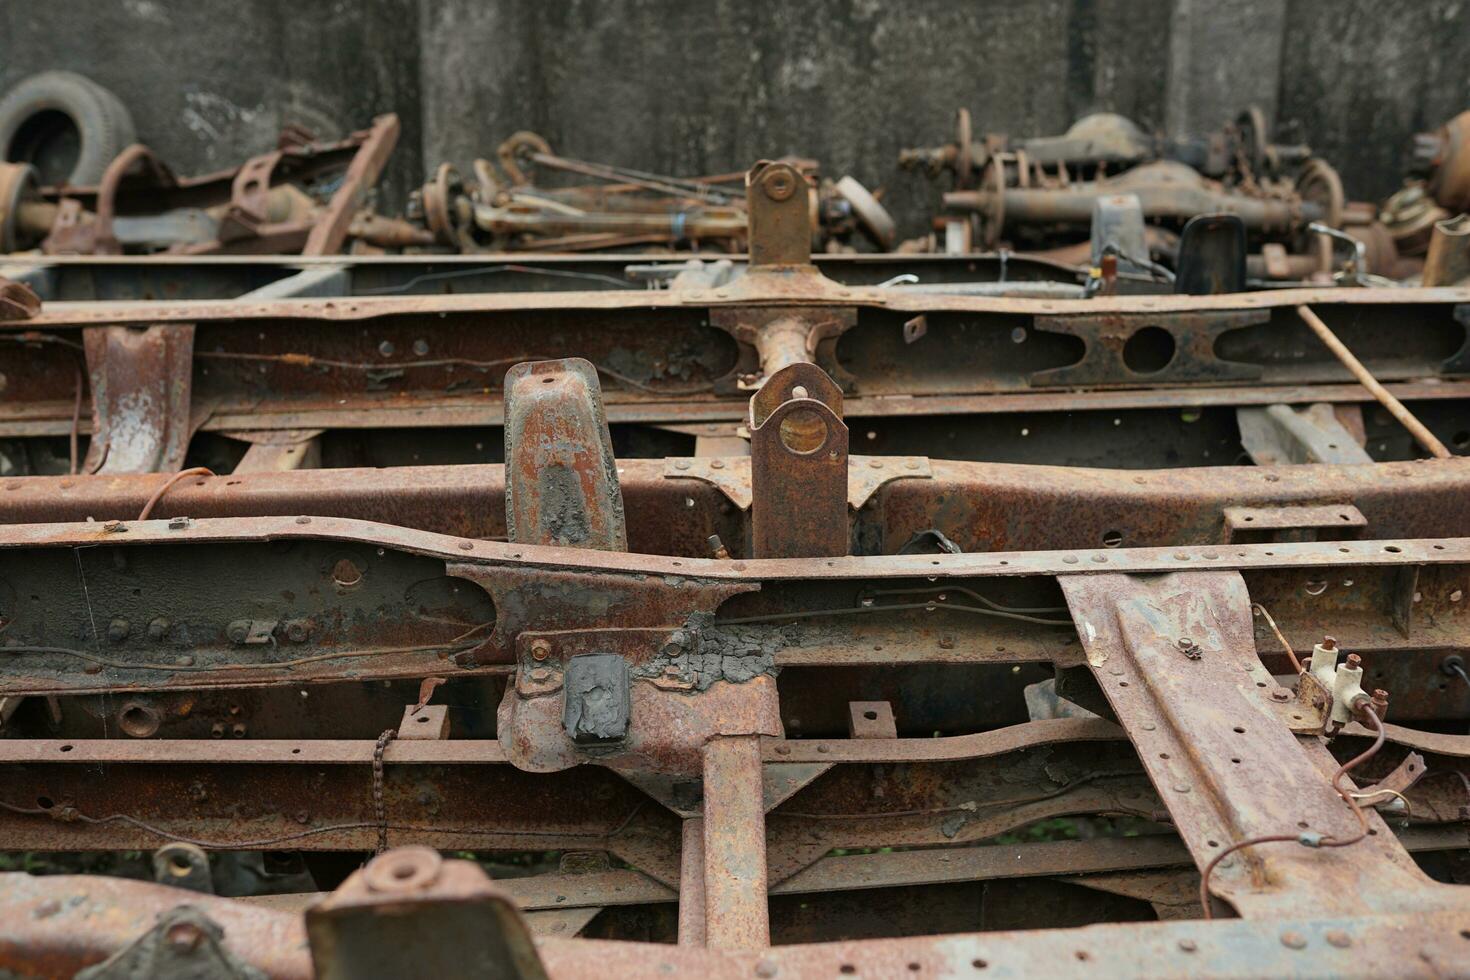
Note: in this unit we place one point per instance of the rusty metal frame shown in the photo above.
(806, 652)
(1344, 916)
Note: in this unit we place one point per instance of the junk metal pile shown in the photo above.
(1078, 590)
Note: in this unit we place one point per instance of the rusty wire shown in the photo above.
(1305, 839)
(449, 647)
(70, 814)
(175, 478)
(891, 607)
(1295, 663)
(313, 361)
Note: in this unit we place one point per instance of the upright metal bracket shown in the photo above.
(779, 207)
(141, 386)
(798, 466)
(561, 479)
(185, 943)
(410, 913)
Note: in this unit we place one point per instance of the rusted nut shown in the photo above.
(540, 675)
(118, 630)
(403, 869)
(540, 649)
(779, 183)
(1280, 695)
(1354, 661)
(237, 730)
(1188, 647)
(238, 631)
(298, 630)
(1329, 643)
(217, 730)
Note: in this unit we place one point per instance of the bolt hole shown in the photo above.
(1238, 730)
(1083, 954)
(403, 872)
(803, 431)
(1112, 539)
(847, 968)
(1235, 760)
(45, 802)
(1392, 549)
(870, 715)
(66, 748)
(1315, 587)
(981, 964)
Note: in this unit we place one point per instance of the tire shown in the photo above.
(30, 132)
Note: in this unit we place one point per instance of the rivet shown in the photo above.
(717, 464)
(1188, 945)
(681, 464)
(1293, 940)
(1338, 938)
(1070, 559)
(1181, 787)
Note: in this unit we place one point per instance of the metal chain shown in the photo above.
(379, 810)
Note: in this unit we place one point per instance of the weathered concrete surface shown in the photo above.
(1205, 86)
(681, 86)
(1360, 77)
(211, 83)
(684, 87)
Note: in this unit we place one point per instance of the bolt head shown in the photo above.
(779, 184)
(184, 936)
(540, 649)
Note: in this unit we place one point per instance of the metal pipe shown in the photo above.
(1395, 407)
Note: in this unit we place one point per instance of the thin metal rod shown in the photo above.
(1395, 407)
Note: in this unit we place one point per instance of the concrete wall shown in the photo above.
(711, 85)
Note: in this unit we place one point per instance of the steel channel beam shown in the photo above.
(56, 925)
(416, 361)
(980, 506)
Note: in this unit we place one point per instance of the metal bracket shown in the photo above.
(798, 466)
(1277, 434)
(561, 479)
(411, 913)
(1226, 764)
(184, 945)
(1129, 348)
(866, 475)
(141, 386)
(1295, 522)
